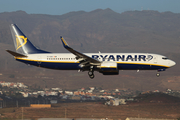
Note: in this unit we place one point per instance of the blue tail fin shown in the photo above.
(21, 42)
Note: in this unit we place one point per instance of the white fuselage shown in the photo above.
(124, 61)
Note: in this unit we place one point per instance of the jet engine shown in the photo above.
(108, 68)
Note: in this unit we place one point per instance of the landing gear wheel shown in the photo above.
(158, 74)
(91, 73)
(91, 76)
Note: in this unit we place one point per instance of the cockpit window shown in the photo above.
(165, 58)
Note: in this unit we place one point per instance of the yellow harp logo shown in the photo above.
(20, 41)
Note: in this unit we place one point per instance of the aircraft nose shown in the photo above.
(172, 63)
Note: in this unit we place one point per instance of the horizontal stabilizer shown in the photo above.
(15, 54)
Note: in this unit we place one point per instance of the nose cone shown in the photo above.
(172, 63)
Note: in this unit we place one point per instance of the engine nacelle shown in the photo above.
(109, 68)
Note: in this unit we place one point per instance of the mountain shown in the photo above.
(142, 30)
(156, 98)
(99, 30)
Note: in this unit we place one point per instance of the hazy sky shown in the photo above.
(59, 7)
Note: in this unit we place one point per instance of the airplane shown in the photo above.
(105, 63)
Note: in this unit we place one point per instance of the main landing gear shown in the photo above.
(91, 73)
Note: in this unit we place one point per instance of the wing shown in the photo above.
(80, 56)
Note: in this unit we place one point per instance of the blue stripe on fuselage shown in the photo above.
(53, 65)
(140, 67)
(75, 66)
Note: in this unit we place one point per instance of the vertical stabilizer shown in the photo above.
(21, 42)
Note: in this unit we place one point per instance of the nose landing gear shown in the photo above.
(158, 74)
(159, 70)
